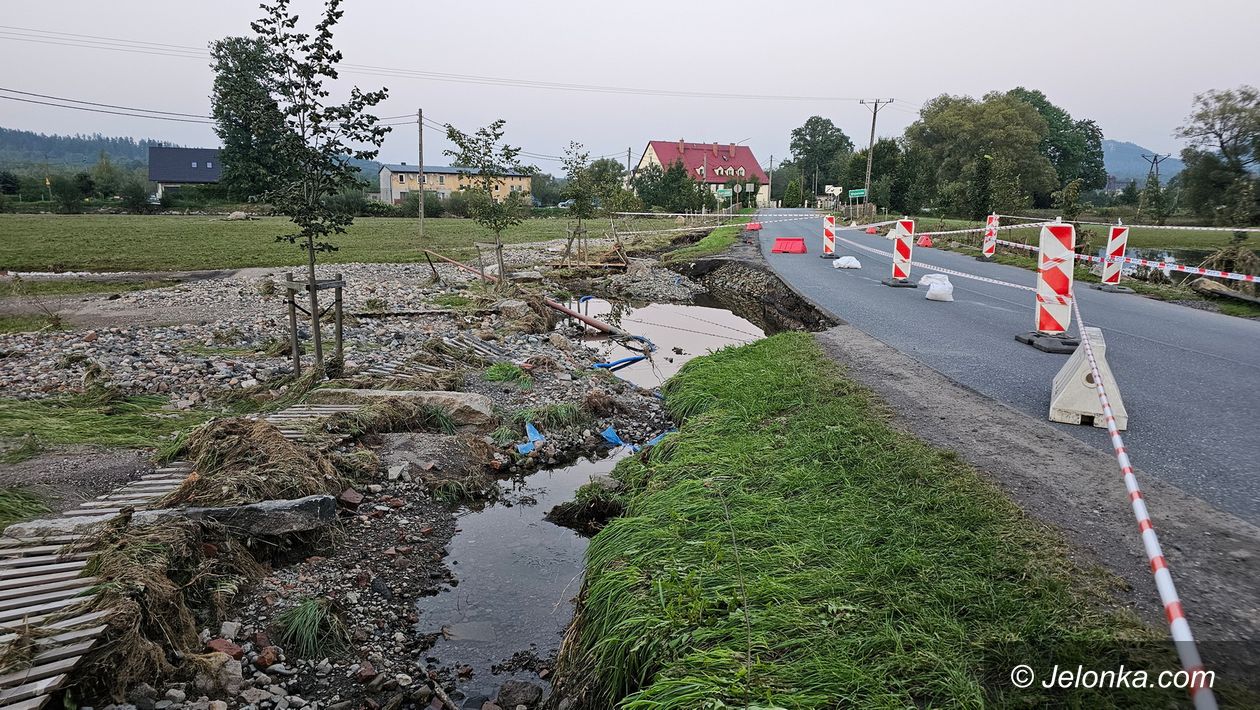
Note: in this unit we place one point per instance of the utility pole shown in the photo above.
(704, 182)
(420, 131)
(1155, 160)
(627, 163)
(770, 185)
(870, 148)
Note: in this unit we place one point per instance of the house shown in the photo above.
(441, 180)
(712, 164)
(173, 167)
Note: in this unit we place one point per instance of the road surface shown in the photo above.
(1190, 379)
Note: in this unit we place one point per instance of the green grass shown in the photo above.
(134, 422)
(71, 287)
(17, 504)
(788, 549)
(312, 629)
(559, 416)
(452, 300)
(28, 322)
(715, 242)
(36, 242)
(507, 372)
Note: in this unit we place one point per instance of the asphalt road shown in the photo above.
(1189, 379)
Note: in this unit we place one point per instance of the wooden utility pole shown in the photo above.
(770, 183)
(420, 165)
(870, 148)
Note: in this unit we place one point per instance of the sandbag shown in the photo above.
(846, 262)
(939, 287)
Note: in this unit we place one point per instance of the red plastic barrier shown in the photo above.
(788, 245)
(753, 227)
(924, 241)
(872, 230)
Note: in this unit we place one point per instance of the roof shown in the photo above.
(184, 165)
(718, 156)
(440, 170)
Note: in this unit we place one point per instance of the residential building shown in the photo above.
(174, 167)
(712, 164)
(399, 180)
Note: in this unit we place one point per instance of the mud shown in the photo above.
(66, 476)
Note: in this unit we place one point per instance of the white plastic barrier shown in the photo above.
(1074, 393)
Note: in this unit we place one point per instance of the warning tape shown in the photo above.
(1179, 627)
(929, 267)
(1170, 266)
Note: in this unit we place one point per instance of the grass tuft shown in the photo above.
(312, 629)
(560, 415)
(17, 504)
(508, 372)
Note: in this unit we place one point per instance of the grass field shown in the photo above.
(169, 243)
(789, 549)
(133, 422)
(72, 287)
(714, 242)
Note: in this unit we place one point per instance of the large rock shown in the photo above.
(268, 518)
(466, 409)
(518, 692)
(220, 676)
(514, 309)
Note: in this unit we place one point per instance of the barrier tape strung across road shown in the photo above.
(1002, 228)
(706, 226)
(929, 267)
(1172, 227)
(1249, 278)
(1179, 627)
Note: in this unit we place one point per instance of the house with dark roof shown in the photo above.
(711, 164)
(397, 180)
(174, 167)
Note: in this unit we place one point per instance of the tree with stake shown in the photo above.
(319, 137)
(486, 161)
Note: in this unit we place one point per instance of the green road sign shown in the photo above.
(724, 192)
(857, 193)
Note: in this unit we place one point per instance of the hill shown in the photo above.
(19, 149)
(1124, 160)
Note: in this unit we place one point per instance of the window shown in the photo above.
(209, 165)
(402, 179)
(441, 179)
(740, 172)
(194, 163)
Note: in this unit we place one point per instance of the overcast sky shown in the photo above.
(1132, 66)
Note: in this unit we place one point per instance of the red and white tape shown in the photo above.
(1249, 278)
(1178, 626)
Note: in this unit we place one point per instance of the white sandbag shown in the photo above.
(846, 262)
(939, 287)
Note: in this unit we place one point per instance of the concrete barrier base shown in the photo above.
(828, 256)
(1074, 394)
(899, 283)
(1111, 288)
(1057, 344)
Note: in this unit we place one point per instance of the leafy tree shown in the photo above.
(85, 183)
(135, 195)
(319, 137)
(545, 188)
(815, 146)
(1154, 201)
(1129, 195)
(248, 117)
(1068, 200)
(1073, 147)
(1228, 124)
(579, 187)
(67, 193)
(792, 195)
(8, 183)
(106, 176)
(671, 189)
(1006, 194)
(781, 176)
(486, 160)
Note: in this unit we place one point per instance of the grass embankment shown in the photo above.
(170, 242)
(132, 422)
(788, 549)
(27, 322)
(715, 242)
(17, 505)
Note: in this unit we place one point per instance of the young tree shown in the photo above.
(85, 183)
(248, 117)
(1068, 200)
(579, 188)
(1129, 195)
(67, 193)
(106, 176)
(318, 137)
(1154, 201)
(486, 160)
(8, 183)
(135, 195)
(792, 195)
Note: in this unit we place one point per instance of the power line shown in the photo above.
(94, 103)
(99, 110)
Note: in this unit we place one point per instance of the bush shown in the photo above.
(6, 205)
(135, 196)
(457, 204)
(351, 202)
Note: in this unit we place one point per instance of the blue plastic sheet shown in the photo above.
(534, 438)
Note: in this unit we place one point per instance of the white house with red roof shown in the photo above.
(713, 164)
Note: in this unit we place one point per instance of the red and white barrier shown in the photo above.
(1178, 626)
(903, 244)
(1054, 279)
(990, 237)
(1117, 240)
(829, 237)
(1152, 263)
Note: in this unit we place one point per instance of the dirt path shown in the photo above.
(1060, 481)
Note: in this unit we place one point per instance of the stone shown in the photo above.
(365, 673)
(350, 498)
(514, 309)
(254, 696)
(466, 409)
(176, 695)
(143, 696)
(229, 630)
(606, 482)
(220, 675)
(225, 646)
(403, 680)
(268, 518)
(518, 692)
(217, 705)
(237, 216)
(267, 657)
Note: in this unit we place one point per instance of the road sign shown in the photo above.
(738, 188)
(860, 192)
(724, 192)
(749, 187)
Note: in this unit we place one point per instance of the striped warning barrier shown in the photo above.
(990, 238)
(1179, 627)
(1117, 239)
(1054, 279)
(1151, 263)
(829, 237)
(903, 246)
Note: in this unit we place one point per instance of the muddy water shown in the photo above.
(692, 329)
(517, 575)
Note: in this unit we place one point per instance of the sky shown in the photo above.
(1132, 66)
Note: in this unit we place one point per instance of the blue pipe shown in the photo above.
(619, 363)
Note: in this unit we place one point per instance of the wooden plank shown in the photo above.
(56, 585)
(31, 690)
(41, 598)
(23, 583)
(59, 652)
(32, 572)
(31, 551)
(9, 542)
(32, 704)
(15, 562)
(74, 622)
(39, 672)
(40, 609)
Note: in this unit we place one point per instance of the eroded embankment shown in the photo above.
(753, 292)
(787, 548)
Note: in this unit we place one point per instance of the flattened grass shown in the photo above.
(714, 242)
(788, 549)
(133, 422)
(17, 504)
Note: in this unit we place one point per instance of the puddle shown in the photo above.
(692, 329)
(517, 576)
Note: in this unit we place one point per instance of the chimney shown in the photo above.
(682, 147)
(732, 151)
(404, 162)
(715, 150)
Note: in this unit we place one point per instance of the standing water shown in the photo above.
(516, 574)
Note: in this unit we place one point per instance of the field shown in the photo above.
(172, 243)
(787, 548)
